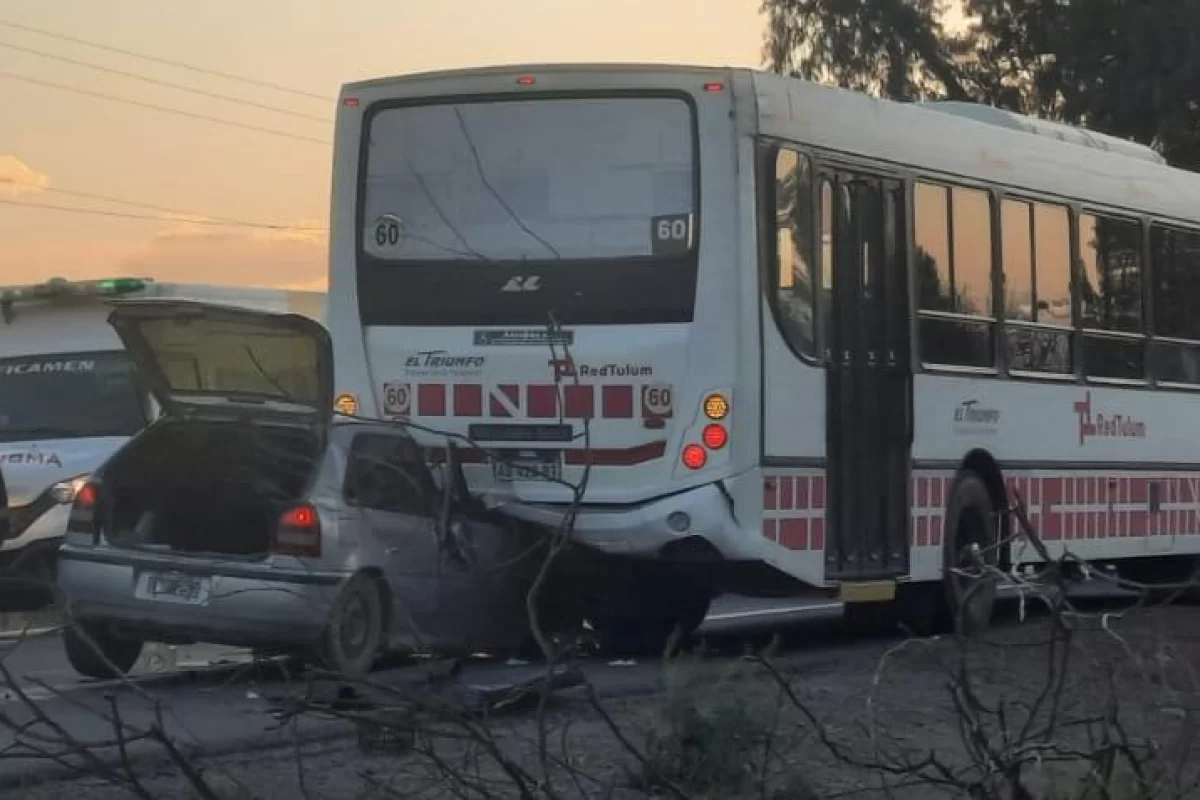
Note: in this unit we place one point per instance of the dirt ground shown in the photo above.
(907, 719)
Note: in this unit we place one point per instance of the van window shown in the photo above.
(69, 396)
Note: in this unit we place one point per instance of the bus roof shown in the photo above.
(978, 149)
(1048, 128)
(550, 67)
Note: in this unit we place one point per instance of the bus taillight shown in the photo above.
(715, 436)
(694, 456)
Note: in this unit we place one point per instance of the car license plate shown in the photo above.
(176, 588)
(549, 469)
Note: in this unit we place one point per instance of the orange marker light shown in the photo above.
(694, 456)
(346, 404)
(716, 406)
(715, 86)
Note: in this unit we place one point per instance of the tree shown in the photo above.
(893, 48)
(1130, 68)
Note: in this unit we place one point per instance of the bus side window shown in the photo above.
(1110, 297)
(953, 275)
(794, 251)
(1036, 243)
(1176, 258)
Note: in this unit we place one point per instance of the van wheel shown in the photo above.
(970, 522)
(354, 634)
(104, 657)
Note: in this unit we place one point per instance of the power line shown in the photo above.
(155, 207)
(164, 109)
(125, 215)
(159, 60)
(158, 82)
(138, 204)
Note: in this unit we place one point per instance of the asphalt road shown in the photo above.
(38, 657)
(214, 700)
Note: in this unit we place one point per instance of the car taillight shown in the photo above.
(83, 512)
(298, 532)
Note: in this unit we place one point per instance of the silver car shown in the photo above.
(249, 515)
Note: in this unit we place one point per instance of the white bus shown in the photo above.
(70, 397)
(817, 337)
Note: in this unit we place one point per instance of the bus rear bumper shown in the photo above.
(644, 529)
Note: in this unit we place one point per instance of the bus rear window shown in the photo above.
(530, 179)
(501, 211)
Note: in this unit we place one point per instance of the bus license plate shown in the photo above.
(176, 588)
(527, 470)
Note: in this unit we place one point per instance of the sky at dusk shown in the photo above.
(59, 146)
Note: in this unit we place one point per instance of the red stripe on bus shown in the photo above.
(615, 456)
(793, 534)
(468, 400)
(1087, 508)
(431, 399)
(786, 495)
(771, 494)
(512, 392)
(616, 402)
(1051, 519)
(816, 534)
(542, 401)
(579, 401)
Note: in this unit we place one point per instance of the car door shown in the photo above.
(448, 570)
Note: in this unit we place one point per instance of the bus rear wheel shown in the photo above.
(970, 552)
(652, 609)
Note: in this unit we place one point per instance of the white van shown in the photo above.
(70, 396)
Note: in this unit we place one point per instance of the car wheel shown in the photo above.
(95, 653)
(354, 634)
